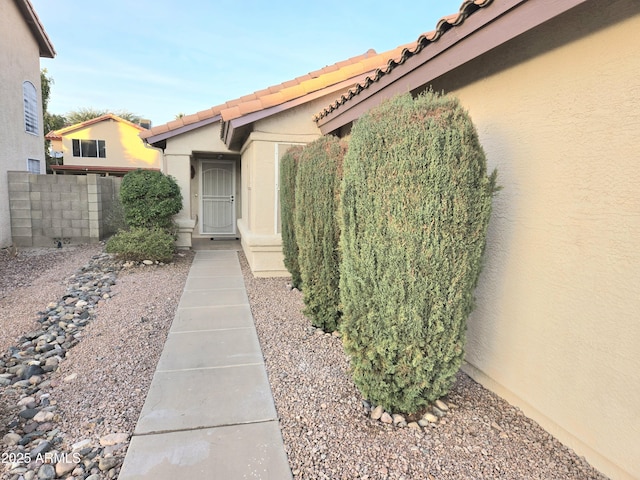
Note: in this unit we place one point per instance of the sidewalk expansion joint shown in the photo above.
(205, 427)
(211, 330)
(215, 306)
(212, 368)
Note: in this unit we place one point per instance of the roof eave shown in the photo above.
(234, 128)
(155, 140)
(31, 18)
(481, 32)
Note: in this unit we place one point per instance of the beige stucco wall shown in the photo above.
(556, 330)
(259, 225)
(19, 62)
(180, 154)
(124, 147)
(256, 179)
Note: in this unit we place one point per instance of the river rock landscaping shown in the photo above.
(67, 409)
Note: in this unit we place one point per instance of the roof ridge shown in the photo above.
(57, 134)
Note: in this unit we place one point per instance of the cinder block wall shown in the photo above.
(109, 188)
(47, 209)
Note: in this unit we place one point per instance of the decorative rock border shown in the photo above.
(33, 444)
(430, 418)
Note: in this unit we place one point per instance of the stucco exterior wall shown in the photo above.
(259, 225)
(180, 154)
(20, 61)
(256, 179)
(557, 327)
(123, 146)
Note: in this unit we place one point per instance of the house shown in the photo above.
(106, 145)
(226, 158)
(553, 87)
(23, 41)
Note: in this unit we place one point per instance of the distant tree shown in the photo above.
(83, 114)
(180, 115)
(50, 121)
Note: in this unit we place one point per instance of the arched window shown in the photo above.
(30, 96)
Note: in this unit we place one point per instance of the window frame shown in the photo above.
(99, 146)
(30, 104)
(29, 165)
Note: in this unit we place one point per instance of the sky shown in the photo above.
(160, 58)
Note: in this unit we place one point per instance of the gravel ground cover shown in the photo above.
(90, 401)
(329, 433)
(99, 388)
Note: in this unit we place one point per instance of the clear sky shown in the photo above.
(159, 58)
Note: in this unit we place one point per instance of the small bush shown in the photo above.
(140, 244)
(288, 171)
(317, 232)
(150, 199)
(416, 202)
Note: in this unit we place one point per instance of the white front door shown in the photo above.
(218, 197)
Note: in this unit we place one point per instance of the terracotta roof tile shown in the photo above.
(37, 29)
(263, 92)
(202, 115)
(180, 122)
(233, 112)
(284, 92)
(273, 100)
(371, 63)
(248, 107)
(162, 128)
(400, 55)
(248, 98)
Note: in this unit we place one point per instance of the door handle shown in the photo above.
(231, 198)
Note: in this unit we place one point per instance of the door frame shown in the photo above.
(232, 163)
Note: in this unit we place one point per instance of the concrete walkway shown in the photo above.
(209, 413)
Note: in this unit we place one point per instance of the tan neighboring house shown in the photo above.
(226, 158)
(23, 41)
(105, 145)
(553, 87)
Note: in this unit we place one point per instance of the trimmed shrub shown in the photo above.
(150, 199)
(288, 171)
(416, 202)
(317, 232)
(140, 244)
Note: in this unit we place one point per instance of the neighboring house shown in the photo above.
(553, 87)
(22, 42)
(106, 145)
(226, 159)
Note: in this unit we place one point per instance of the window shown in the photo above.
(30, 107)
(33, 165)
(89, 148)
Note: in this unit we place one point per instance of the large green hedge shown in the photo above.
(288, 171)
(416, 202)
(150, 199)
(317, 232)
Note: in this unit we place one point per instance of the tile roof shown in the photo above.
(33, 21)
(275, 95)
(57, 134)
(446, 23)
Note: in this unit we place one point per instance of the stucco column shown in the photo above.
(178, 166)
